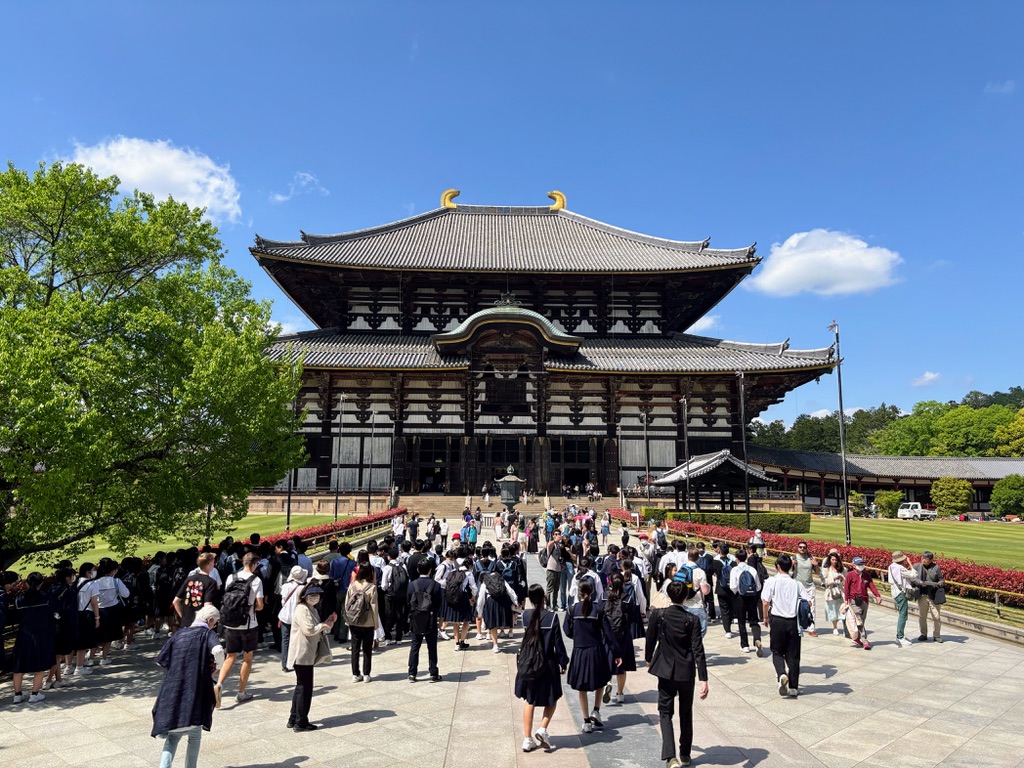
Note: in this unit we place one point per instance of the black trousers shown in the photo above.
(785, 643)
(302, 698)
(710, 603)
(725, 604)
(340, 632)
(746, 613)
(668, 691)
(362, 643)
(414, 652)
(396, 616)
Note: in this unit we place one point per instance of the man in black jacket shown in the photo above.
(424, 606)
(674, 653)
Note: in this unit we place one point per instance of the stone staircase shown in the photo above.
(450, 507)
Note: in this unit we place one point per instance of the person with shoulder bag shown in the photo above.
(903, 586)
(593, 653)
(308, 634)
(541, 661)
(674, 653)
(361, 612)
(933, 595)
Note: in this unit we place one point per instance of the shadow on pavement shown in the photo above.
(365, 716)
(293, 760)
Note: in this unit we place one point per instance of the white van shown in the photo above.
(912, 510)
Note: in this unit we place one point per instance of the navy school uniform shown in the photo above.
(546, 689)
(590, 668)
(34, 644)
(463, 609)
(65, 605)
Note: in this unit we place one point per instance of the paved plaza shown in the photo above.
(949, 704)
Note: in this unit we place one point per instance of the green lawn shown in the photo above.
(264, 524)
(998, 544)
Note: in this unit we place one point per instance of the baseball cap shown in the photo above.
(858, 560)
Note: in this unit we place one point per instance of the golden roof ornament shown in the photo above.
(447, 198)
(559, 199)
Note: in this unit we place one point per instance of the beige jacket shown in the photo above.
(371, 593)
(306, 631)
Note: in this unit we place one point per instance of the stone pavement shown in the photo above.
(928, 705)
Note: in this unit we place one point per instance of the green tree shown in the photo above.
(888, 502)
(770, 434)
(814, 433)
(134, 391)
(857, 502)
(952, 495)
(965, 431)
(865, 423)
(913, 434)
(1008, 496)
(1010, 437)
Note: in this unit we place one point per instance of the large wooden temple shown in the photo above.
(462, 340)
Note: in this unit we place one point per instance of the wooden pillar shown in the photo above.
(732, 501)
(821, 494)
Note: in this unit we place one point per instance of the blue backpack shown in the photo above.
(628, 592)
(726, 573)
(747, 583)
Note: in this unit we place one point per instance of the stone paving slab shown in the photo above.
(952, 704)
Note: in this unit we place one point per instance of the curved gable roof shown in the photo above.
(479, 238)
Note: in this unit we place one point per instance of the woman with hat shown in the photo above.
(306, 629)
(833, 574)
(902, 578)
(290, 592)
(856, 585)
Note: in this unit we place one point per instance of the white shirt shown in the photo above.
(290, 592)
(678, 558)
(255, 593)
(108, 589)
(700, 579)
(444, 528)
(483, 596)
(86, 590)
(734, 577)
(781, 592)
(598, 588)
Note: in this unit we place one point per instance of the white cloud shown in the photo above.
(293, 324)
(162, 169)
(821, 414)
(302, 183)
(925, 379)
(706, 323)
(1004, 88)
(826, 263)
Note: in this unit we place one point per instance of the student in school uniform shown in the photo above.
(593, 657)
(544, 687)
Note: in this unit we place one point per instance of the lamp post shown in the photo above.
(834, 327)
(369, 476)
(743, 439)
(646, 416)
(288, 505)
(337, 468)
(686, 456)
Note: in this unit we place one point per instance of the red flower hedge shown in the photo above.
(972, 579)
(340, 527)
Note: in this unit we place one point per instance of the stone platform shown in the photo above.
(928, 705)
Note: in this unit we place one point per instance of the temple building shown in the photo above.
(457, 342)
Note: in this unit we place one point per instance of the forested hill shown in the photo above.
(979, 425)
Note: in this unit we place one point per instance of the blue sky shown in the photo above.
(873, 151)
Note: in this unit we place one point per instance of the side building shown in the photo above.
(454, 343)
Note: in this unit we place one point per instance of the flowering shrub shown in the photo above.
(972, 579)
(341, 526)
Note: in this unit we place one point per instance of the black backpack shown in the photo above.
(531, 662)
(420, 612)
(399, 583)
(455, 586)
(542, 557)
(234, 608)
(616, 616)
(495, 584)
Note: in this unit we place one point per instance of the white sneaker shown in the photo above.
(619, 699)
(542, 738)
(357, 678)
(104, 662)
(746, 649)
(18, 698)
(793, 693)
(783, 685)
(366, 678)
(588, 727)
(837, 631)
(480, 637)
(496, 649)
(81, 671)
(48, 685)
(595, 717)
(607, 694)
(529, 744)
(60, 683)
(729, 635)
(35, 698)
(442, 635)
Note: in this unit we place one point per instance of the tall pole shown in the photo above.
(288, 505)
(337, 468)
(842, 430)
(647, 454)
(743, 439)
(686, 455)
(618, 457)
(369, 476)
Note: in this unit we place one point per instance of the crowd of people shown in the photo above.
(428, 582)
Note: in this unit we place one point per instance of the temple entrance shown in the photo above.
(576, 476)
(433, 479)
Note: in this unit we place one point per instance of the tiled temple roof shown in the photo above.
(478, 238)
